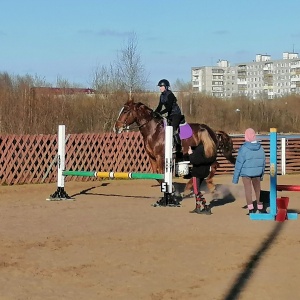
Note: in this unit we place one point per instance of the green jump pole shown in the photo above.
(79, 173)
(147, 176)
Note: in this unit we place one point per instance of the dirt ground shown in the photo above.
(110, 243)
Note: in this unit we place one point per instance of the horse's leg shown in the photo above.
(209, 180)
(188, 189)
(160, 164)
(153, 164)
(154, 167)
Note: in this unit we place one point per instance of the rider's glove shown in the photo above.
(157, 115)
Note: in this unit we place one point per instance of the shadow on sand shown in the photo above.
(88, 192)
(258, 254)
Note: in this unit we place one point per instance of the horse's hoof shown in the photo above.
(197, 210)
(206, 210)
(174, 202)
(178, 198)
(159, 203)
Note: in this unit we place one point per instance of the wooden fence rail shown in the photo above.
(32, 158)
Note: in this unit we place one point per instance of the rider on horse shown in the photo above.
(174, 115)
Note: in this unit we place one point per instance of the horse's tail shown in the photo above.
(225, 144)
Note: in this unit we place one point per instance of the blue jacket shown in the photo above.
(250, 161)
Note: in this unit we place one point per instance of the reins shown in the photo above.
(139, 126)
(142, 125)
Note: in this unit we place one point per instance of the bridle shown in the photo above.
(124, 123)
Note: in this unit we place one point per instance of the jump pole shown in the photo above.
(166, 186)
(273, 184)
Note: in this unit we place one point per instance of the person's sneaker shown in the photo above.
(263, 211)
(251, 211)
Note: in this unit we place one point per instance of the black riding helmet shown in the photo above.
(164, 82)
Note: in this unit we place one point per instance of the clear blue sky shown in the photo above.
(69, 39)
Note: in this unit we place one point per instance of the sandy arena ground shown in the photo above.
(112, 244)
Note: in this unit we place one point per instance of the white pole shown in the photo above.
(60, 193)
(168, 158)
(283, 156)
(61, 155)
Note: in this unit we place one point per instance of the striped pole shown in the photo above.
(61, 155)
(273, 180)
(168, 159)
(112, 175)
(273, 170)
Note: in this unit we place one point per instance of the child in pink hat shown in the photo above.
(250, 165)
(250, 135)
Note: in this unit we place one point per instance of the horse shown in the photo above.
(151, 127)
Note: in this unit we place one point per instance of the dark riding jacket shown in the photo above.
(201, 164)
(169, 101)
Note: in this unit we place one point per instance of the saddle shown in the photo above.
(185, 130)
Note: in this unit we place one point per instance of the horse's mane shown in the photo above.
(139, 106)
(142, 105)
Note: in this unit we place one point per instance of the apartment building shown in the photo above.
(262, 77)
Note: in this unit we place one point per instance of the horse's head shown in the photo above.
(127, 116)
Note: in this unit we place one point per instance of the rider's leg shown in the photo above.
(175, 121)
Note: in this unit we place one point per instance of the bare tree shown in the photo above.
(130, 70)
(180, 85)
(105, 80)
(102, 79)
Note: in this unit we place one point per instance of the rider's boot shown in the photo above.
(176, 142)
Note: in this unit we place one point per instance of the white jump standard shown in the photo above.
(166, 186)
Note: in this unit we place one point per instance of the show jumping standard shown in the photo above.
(278, 206)
(165, 177)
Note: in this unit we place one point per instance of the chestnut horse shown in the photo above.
(151, 127)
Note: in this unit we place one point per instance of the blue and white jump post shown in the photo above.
(273, 214)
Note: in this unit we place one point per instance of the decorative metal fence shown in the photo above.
(32, 158)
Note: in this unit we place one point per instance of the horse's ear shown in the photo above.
(130, 98)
